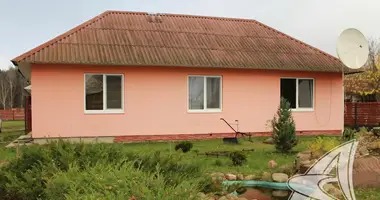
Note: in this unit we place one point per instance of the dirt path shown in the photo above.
(366, 172)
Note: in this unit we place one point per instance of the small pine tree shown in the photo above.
(284, 128)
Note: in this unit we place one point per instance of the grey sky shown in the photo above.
(25, 24)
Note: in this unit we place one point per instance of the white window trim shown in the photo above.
(205, 109)
(105, 110)
(297, 109)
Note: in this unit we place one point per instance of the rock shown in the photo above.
(272, 164)
(266, 176)
(280, 177)
(201, 195)
(250, 177)
(303, 156)
(230, 177)
(363, 151)
(231, 197)
(303, 168)
(217, 174)
(269, 141)
(286, 169)
(240, 177)
(223, 198)
(280, 193)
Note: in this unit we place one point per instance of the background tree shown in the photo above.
(12, 85)
(367, 83)
(4, 89)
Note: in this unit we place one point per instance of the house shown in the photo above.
(131, 76)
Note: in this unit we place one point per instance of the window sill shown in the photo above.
(103, 112)
(303, 110)
(205, 111)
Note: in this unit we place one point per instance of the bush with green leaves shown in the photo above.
(348, 134)
(284, 128)
(185, 146)
(238, 158)
(62, 170)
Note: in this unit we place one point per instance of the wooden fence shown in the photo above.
(359, 114)
(12, 114)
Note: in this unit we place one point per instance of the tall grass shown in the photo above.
(61, 170)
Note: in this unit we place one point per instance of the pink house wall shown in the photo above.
(156, 102)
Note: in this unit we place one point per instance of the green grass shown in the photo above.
(367, 194)
(11, 130)
(257, 160)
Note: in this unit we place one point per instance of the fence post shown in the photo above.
(355, 115)
(13, 114)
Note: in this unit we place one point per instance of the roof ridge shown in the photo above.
(183, 15)
(232, 19)
(59, 37)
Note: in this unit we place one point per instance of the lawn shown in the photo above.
(257, 160)
(11, 130)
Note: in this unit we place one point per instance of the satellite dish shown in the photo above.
(352, 48)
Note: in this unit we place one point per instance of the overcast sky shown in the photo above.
(25, 24)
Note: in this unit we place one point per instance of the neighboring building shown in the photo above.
(135, 76)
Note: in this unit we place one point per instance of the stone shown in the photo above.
(240, 177)
(230, 177)
(269, 141)
(272, 164)
(280, 177)
(280, 193)
(249, 177)
(286, 169)
(231, 197)
(201, 195)
(266, 176)
(303, 156)
(223, 198)
(363, 151)
(217, 174)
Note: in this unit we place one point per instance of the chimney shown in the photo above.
(154, 18)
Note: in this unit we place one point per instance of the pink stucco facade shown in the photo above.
(155, 102)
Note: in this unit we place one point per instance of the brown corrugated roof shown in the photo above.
(135, 38)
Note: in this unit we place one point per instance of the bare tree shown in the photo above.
(12, 81)
(374, 51)
(4, 89)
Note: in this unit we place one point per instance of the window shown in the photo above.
(299, 92)
(104, 93)
(205, 93)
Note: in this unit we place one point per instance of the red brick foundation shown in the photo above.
(141, 138)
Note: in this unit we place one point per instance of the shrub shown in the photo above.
(61, 170)
(283, 128)
(348, 134)
(185, 146)
(238, 158)
(322, 145)
(376, 131)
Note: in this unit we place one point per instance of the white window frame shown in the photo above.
(105, 110)
(205, 109)
(297, 95)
